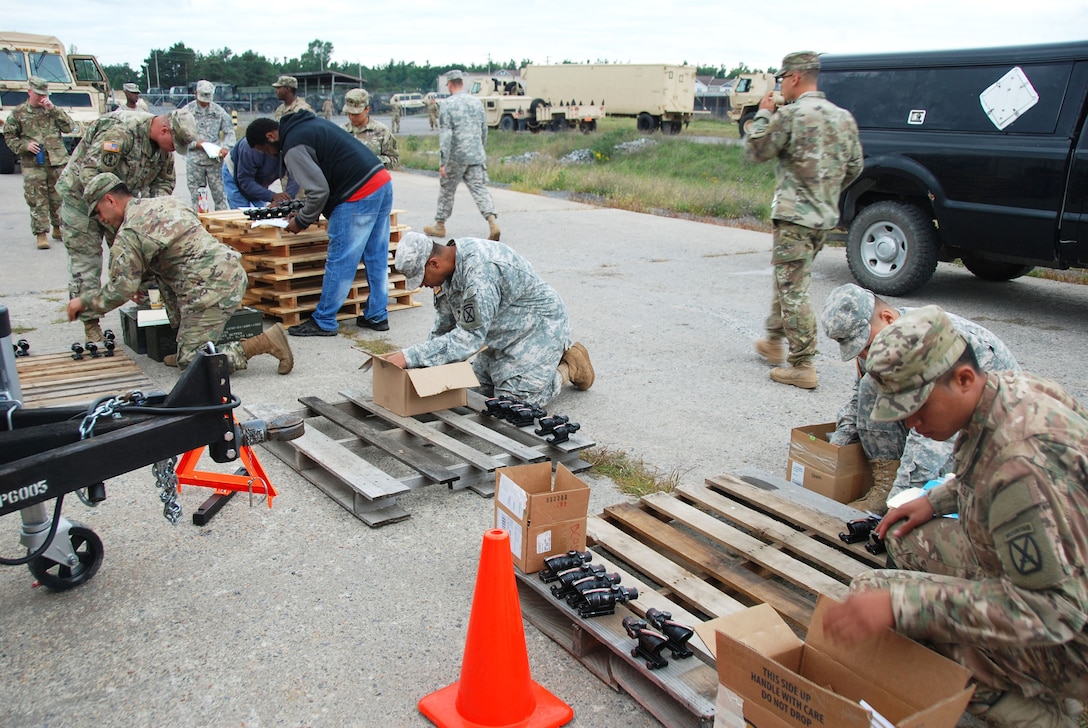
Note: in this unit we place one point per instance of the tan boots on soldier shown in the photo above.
(274, 342)
(773, 350)
(876, 500)
(93, 331)
(43, 241)
(438, 231)
(801, 375)
(576, 368)
(492, 228)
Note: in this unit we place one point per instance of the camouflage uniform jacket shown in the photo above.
(213, 124)
(495, 299)
(462, 130)
(818, 151)
(34, 124)
(1022, 500)
(378, 139)
(119, 142)
(141, 105)
(163, 239)
(299, 104)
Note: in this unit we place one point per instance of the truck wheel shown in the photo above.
(645, 123)
(671, 127)
(267, 106)
(994, 270)
(892, 248)
(745, 124)
(588, 126)
(7, 158)
(506, 123)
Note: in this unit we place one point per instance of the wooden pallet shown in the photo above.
(54, 379)
(698, 553)
(365, 457)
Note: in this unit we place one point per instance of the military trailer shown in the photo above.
(658, 96)
(77, 84)
(510, 108)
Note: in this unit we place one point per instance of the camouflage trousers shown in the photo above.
(432, 118)
(197, 324)
(537, 386)
(82, 237)
(475, 178)
(206, 174)
(939, 553)
(41, 197)
(795, 247)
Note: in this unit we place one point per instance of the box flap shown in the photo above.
(760, 627)
(429, 381)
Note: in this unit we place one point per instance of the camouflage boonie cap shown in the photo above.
(907, 357)
(411, 259)
(99, 185)
(39, 85)
(356, 101)
(288, 81)
(800, 61)
(455, 75)
(183, 127)
(204, 90)
(847, 319)
(131, 88)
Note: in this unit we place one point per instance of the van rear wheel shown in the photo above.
(892, 248)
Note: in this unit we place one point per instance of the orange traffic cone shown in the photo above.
(495, 688)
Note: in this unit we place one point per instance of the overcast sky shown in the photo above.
(702, 32)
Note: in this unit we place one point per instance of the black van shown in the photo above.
(977, 154)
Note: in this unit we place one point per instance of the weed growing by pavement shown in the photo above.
(632, 476)
(377, 347)
(24, 329)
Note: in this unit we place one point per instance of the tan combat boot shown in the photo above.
(579, 369)
(274, 342)
(1014, 710)
(876, 499)
(43, 241)
(56, 233)
(801, 375)
(170, 360)
(493, 228)
(93, 331)
(438, 231)
(773, 350)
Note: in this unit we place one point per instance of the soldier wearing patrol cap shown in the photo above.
(139, 149)
(818, 152)
(214, 127)
(1002, 589)
(287, 92)
(133, 102)
(33, 131)
(374, 134)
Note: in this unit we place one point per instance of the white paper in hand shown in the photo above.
(212, 150)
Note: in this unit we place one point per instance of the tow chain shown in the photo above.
(166, 479)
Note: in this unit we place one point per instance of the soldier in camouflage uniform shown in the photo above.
(900, 458)
(133, 102)
(396, 112)
(1003, 589)
(287, 92)
(37, 126)
(214, 125)
(462, 134)
(818, 152)
(374, 134)
(139, 149)
(488, 297)
(432, 112)
(201, 280)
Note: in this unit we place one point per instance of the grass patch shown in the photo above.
(632, 477)
(23, 329)
(377, 347)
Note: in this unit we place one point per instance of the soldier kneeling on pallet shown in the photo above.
(490, 302)
(201, 279)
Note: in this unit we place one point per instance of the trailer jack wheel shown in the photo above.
(87, 550)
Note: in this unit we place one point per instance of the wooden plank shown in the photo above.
(471, 426)
(756, 551)
(347, 466)
(796, 542)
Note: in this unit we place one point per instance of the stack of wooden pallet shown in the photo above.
(286, 271)
(53, 379)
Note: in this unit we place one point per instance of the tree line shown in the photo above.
(181, 65)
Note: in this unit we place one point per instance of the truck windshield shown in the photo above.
(12, 66)
(49, 66)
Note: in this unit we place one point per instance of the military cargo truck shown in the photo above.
(748, 90)
(510, 108)
(657, 96)
(77, 84)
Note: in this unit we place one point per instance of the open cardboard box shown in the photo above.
(425, 389)
(841, 473)
(543, 518)
(770, 678)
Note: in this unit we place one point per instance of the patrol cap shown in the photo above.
(288, 81)
(204, 90)
(39, 85)
(356, 101)
(413, 251)
(455, 75)
(907, 358)
(99, 185)
(131, 88)
(847, 319)
(800, 61)
(183, 128)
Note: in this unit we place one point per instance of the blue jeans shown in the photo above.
(235, 199)
(357, 231)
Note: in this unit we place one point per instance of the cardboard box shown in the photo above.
(426, 389)
(841, 473)
(160, 340)
(772, 679)
(543, 518)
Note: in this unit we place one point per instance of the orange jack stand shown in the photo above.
(250, 478)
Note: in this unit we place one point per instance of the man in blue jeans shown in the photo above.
(350, 185)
